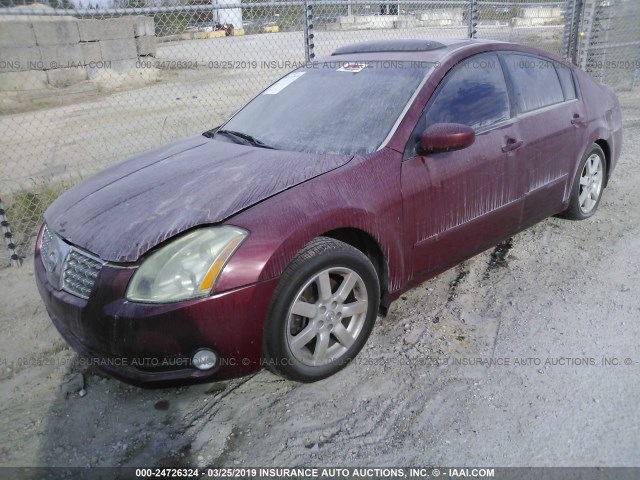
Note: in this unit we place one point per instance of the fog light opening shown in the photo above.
(204, 359)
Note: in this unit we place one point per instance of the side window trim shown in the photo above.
(545, 108)
(513, 104)
(576, 84)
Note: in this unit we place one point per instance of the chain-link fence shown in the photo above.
(610, 42)
(85, 83)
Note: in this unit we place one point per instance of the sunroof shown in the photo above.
(390, 46)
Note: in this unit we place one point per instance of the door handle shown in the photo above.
(511, 145)
(577, 119)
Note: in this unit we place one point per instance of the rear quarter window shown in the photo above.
(566, 81)
(535, 82)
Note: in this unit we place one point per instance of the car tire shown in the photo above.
(322, 311)
(588, 185)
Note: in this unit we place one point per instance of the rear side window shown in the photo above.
(535, 82)
(566, 81)
(474, 94)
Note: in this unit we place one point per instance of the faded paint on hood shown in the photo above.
(122, 212)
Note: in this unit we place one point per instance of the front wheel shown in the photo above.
(588, 185)
(322, 311)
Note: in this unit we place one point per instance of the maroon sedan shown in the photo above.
(278, 238)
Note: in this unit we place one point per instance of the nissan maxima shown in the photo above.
(279, 237)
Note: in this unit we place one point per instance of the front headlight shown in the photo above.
(186, 267)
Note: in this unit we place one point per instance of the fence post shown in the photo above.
(473, 18)
(588, 28)
(308, 31)
(15, 259)
(572, 19)
(579, 12)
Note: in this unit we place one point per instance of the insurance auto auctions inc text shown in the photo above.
(374, 472)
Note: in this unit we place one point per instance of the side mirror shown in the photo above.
(446, 137)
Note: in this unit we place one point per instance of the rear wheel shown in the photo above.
(588, 185)
(322, 311)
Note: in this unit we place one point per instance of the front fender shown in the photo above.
(363, 195)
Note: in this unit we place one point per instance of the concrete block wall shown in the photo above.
(536, 16)
(363, 22)
(443, 17)
(540, 12)
(58, 52)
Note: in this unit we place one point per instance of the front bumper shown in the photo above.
(150, 344)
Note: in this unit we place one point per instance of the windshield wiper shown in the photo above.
(246, 138)
(210, 133)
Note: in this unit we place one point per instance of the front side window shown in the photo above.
(535, 82)
(332, 107)
(474, 93)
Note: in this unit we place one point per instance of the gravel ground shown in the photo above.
(523, 355)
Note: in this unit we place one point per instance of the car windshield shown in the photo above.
(329, 107)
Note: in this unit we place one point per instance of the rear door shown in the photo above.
(456, 203)
(551, 120)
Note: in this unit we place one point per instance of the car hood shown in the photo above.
(122, 212)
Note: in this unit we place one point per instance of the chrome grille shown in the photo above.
(80, 273)
(68, 268)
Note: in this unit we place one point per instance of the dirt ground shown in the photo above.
(555, 312)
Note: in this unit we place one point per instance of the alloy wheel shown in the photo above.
(590, 183)
(327, 316)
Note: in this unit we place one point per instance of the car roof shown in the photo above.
(405, 45)
(418, 50)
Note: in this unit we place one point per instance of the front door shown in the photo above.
(457, 203)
